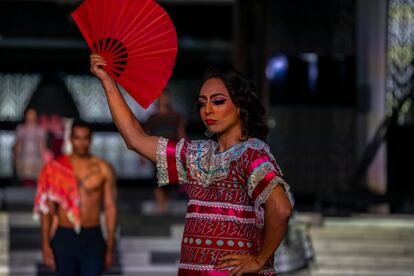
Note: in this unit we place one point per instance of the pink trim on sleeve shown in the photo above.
(263, 184)
(172, 162)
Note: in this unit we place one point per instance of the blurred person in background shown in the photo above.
(54, 126)
(56, 132)
(239, 205)
(74, 188)
(29, 149)
(169, 124)
(44, 123)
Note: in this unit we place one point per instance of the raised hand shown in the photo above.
(97, 64)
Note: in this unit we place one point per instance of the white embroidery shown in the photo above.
(264, 195)
(195, 267)
(257, 175)
(217, 217)
(182, 171)
(162, 169)
(207, 165)
(211, 267)
(221, 205)
(162, 164)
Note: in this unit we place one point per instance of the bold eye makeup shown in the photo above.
(218, 101)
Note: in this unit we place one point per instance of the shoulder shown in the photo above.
(61, 161)
(61, 164)
(190, 144)
(256, 147)
(104, 165)
(258, 152)
(256, 144)
(185, 147)
(200, 145)
(193, 150)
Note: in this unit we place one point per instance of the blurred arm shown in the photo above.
(45, 226)
(110, 209)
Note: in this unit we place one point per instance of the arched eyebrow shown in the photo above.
(212, 96)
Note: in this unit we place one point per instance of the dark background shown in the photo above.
(314, 132)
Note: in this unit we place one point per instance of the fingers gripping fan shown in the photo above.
(137, 39)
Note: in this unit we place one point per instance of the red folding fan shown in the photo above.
(137, 39)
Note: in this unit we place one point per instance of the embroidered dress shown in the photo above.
(29, 161)
(57, 183)
(226, 192)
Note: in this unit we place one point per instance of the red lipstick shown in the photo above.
(210, 122)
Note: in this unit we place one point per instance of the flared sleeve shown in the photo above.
(171, 161)
(263, 175)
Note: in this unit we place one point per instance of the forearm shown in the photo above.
(276, 220)
(122, 115)
(46, 221)
(129, 127)
(110, 221)
(274, 232)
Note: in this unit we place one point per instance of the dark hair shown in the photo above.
(244, 96)
(81, 123)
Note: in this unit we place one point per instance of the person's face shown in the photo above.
(31, 116)
(217, 110)
(81, 140)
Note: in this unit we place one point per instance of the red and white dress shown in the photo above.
(226, 192)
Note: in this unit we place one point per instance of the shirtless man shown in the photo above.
(73, 188)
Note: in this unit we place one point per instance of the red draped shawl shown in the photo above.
(57, 183)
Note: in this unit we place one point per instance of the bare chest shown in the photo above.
(90, 178)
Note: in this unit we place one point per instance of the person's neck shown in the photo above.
(228, 139)
(78, 157)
